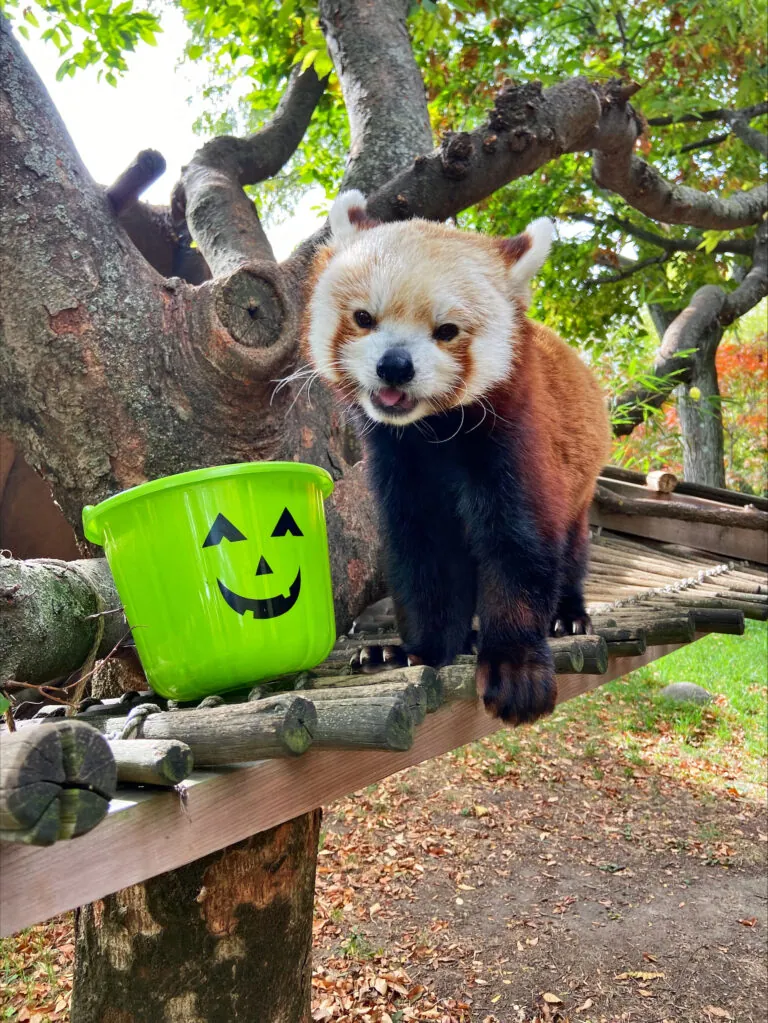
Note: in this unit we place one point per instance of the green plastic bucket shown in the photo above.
(223, 573)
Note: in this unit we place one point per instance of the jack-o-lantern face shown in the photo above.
(269, 607)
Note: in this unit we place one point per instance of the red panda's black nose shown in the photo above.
(395, 367)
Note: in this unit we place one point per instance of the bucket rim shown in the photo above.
(92, 514)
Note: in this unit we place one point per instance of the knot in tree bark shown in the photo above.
(250, 308)
(514, 105)
(456, 154)
(259, 305)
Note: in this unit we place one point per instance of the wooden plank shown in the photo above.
(149, 833)
(715, 494)
(748, 544)
(627, 489)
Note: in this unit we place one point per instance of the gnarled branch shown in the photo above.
(530, 126)
(642, 186)
(527, 127)
(754, 287)
(222, 218)
(382, 87)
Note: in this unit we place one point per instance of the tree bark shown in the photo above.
(183, 377)
(383, 91)
(701, 418)
(228, 937)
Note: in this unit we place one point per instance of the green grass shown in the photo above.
(628, 720)
(734, 668)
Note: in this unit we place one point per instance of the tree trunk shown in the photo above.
(225, 939)
(701, 420)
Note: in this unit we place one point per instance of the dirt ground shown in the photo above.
(506, 884)
(607, 865)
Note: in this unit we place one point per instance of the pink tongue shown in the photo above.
(389, 395)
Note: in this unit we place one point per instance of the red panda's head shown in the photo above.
(412, 318)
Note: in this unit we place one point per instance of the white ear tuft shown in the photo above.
(539, 235)
(348, 216)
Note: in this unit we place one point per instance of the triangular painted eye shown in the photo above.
(222, 529)
(286, 524)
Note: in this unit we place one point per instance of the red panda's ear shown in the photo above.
(348, 216)
(525, 253)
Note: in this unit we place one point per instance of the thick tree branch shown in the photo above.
(135, 179)
(642, 186)
(382, 87)
(527, 127)
(754, 287)
(222, 219)
(530, 126)
(749, 136)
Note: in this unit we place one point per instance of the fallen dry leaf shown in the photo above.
(749, 921)
(638, 975)
(551, 999)
(718, 1013)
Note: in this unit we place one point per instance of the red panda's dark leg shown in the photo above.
(430, 570)
(571, 617)
(518, 586)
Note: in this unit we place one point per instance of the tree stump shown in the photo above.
(226, 938)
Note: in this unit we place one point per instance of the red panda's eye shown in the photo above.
(445, 332)
(364, 319)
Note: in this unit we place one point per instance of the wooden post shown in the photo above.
(226, 938)
(56, 781)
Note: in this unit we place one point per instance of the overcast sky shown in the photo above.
(149, 109)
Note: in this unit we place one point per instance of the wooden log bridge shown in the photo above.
(313, 737)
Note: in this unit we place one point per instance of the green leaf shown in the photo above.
(309, 59)
(4, 703)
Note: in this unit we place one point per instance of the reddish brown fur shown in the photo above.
(513, 249)
(360, 218)
(566, 437)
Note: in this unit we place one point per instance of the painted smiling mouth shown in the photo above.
(272, 607)
(394, 400)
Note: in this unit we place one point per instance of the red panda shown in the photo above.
(484, 433)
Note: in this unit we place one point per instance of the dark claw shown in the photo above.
(572, 625)
(378, 658)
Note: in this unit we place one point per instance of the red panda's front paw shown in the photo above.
(567, 625)
(517, 685)
(377, 658)
(371, 659)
